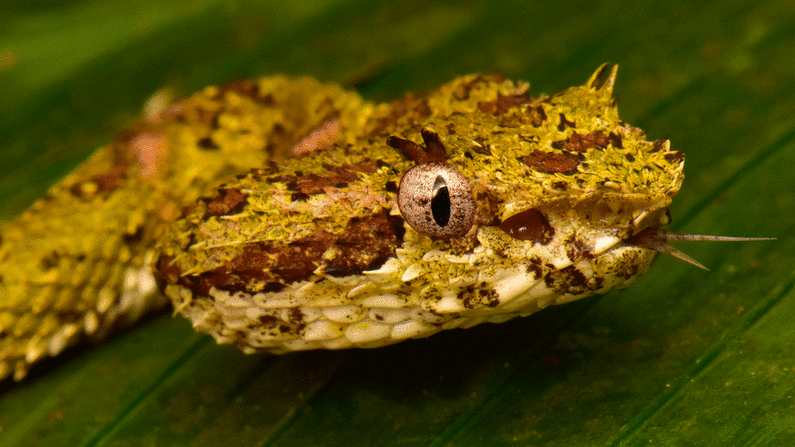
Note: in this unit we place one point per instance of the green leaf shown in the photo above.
(681, 357)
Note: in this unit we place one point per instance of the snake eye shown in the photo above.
(435, 199)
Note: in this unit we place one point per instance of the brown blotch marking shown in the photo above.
(268, 320)
(472, 296)
(674, 157)
(466, 295)
(228, 201)
(529, 225)
(564, 122)
(50, 260)
(365, 244)
(305, 185)
(296, 315)
(576, 249)
(598, 281)
(298, 197)
(462, 91)
(567, 280)
(630, 158)
(115, 175)
(503, 103)
(207, 143)
(581, 143)
(616, 140)
(247, 88)
(132, 238)
(535, 267)
(259, 268)
(489, 297)
(186, 210)
(537, 115)
(110, 181)
(549, 162)
(338, 177)
(658, 145)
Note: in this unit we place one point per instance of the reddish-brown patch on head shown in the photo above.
(228, 201)
(337, 177)
(365, 244)
(581, 143)
(550, 162)
(503, 103)
(529, 225)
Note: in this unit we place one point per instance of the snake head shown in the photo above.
(476, 202)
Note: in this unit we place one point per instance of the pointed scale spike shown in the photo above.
(602, 84)
(595, 81)
(607, 87)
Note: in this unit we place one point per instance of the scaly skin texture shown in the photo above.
(276, 254)
(79, 260)
(314, 253)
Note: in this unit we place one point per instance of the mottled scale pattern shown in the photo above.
(314, 254)
(79, 260)
(265, 211)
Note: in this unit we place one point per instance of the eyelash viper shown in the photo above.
(338, 222)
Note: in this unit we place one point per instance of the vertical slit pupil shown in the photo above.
(440, 203)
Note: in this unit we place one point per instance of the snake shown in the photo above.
(284, 214)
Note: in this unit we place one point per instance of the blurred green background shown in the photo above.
(682, 357)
